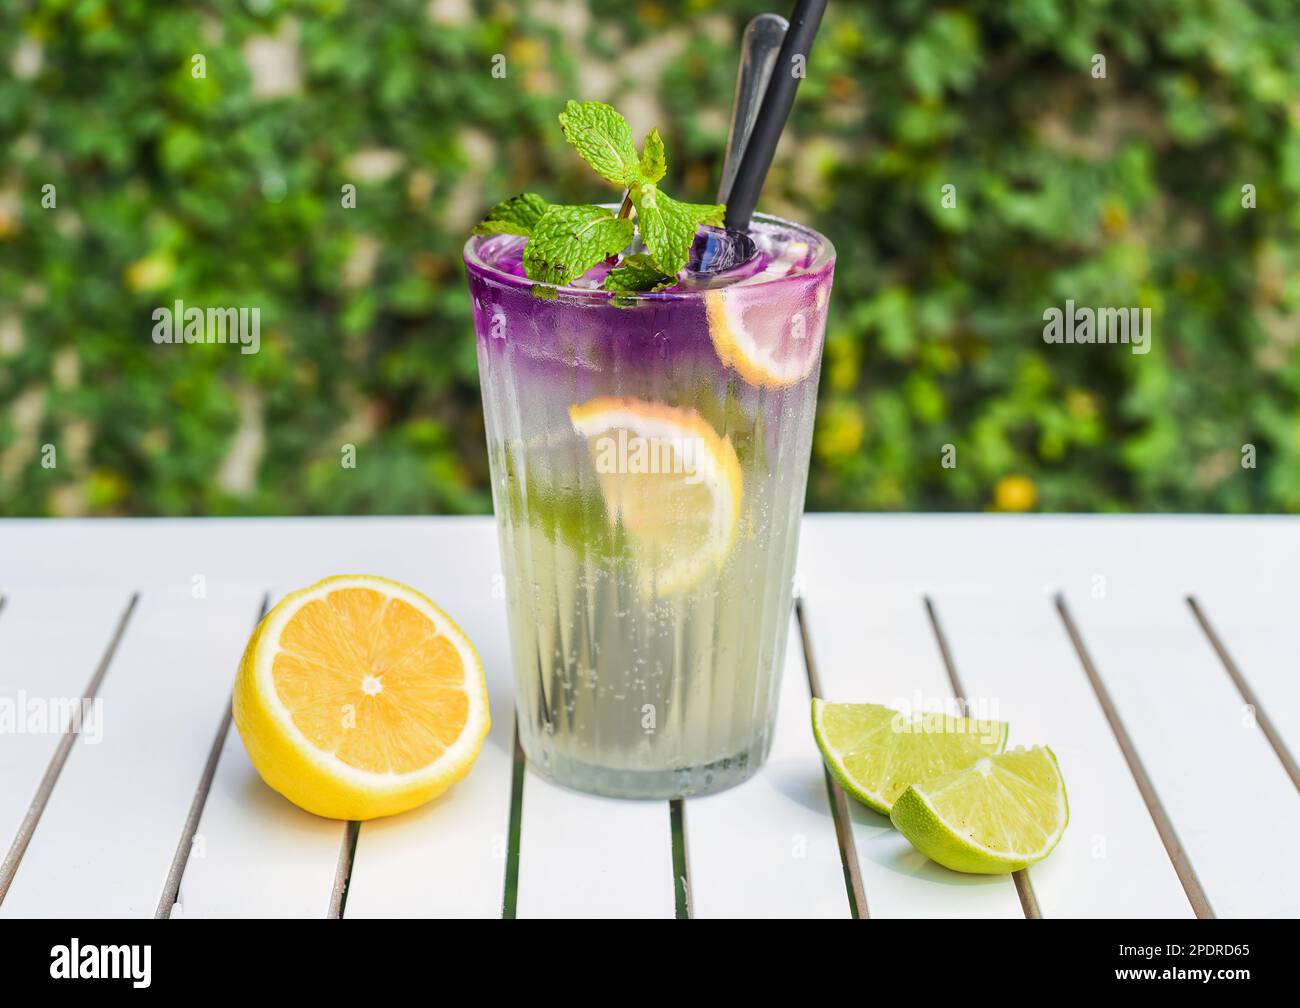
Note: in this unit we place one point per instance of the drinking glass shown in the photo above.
(649, 457)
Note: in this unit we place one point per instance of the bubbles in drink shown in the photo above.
(648, 654)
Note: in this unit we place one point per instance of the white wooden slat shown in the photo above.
(1016, 663)
(50, 645)
(767, 848)
(1067, 551)
(875, 645)
(108, 834)
(929, 550)
(586, 856)
(1261, 632)
(1235, 812)
(399, 868)
(448, 858)
(255, 854)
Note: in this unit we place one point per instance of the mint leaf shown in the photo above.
(668, 226)
(569, 240)
(517, 216)
(566, 241)
(708, 213)
(604, 140)
(637, 273)
(664, 226)
(654, 163)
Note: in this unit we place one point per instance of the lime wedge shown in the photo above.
(875, 752)
(1000, 815)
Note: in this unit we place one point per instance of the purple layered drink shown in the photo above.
(649, 455)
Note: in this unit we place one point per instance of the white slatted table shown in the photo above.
(1158, 656)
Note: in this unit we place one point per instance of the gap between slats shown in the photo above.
(839, 801)
(9, 867)
(1024, 885)
(343, 873)
(510, 887)
(1164, 826)
(683, 909)
(172, 884)
(681, 861)
(514, 830)
(1261, 718)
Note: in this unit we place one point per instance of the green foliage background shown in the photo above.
(1122, 190)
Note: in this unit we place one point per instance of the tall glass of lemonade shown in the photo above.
(649, 456)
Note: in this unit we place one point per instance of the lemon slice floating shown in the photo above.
(772, 342)
(669, 481)
(358, 697)
(1003, 813)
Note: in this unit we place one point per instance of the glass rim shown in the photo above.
(474, 262)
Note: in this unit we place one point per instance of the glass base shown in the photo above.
(613, 782)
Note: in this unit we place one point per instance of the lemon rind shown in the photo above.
(605, 413)
(742, 354)
(451, 760)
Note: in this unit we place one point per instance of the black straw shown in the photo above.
(772, 114)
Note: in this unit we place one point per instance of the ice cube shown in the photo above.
(717, 250)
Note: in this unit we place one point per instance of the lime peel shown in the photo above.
(999, 815)
(875, 752)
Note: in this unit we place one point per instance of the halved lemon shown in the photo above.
(669, 481)
(772, 342)
(358, 697)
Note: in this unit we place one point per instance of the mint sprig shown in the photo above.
(566, 241)
(569, 240)
(654, 163)
(637, 272)
(517, 216)
(667, 226)
(603, 139)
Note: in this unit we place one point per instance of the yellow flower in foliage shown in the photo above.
(105, 490)
(652, 15)
(8, 213)
(841, 429)
(153, 272)
(1114, 217)
(843, 361)
(1015, 493)
(526, 52)
(1082, 405)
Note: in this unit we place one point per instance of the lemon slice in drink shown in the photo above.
(668, 481)
(358, 697)
(999, 815)
(875, 752)
(772, 342)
